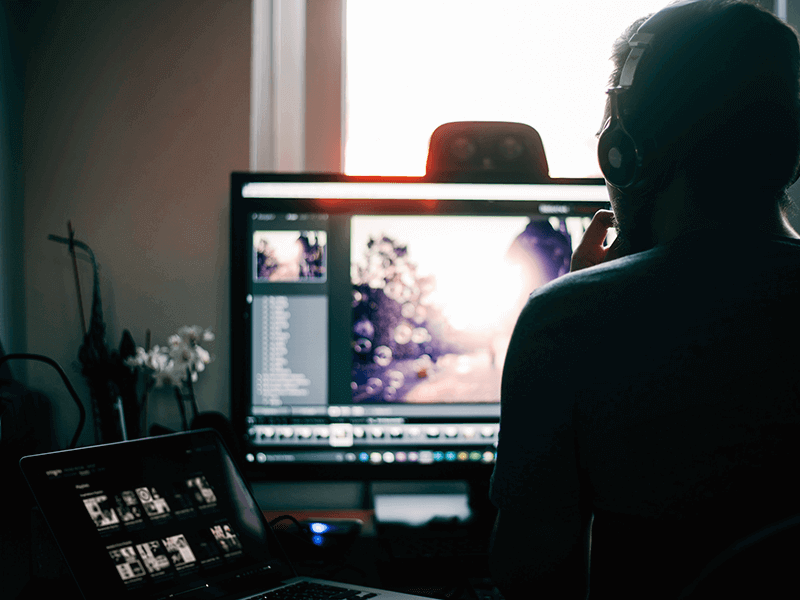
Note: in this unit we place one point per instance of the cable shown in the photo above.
(70, 389)
(277, 520)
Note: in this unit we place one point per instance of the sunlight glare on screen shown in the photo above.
(415, 64)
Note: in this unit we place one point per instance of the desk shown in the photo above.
(366, 559)
(362, 560)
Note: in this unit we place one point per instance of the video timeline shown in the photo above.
(375, 457)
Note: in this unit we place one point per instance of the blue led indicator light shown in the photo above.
(319, 527)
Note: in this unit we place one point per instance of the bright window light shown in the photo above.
(412, 65)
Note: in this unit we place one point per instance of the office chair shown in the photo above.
(765, 564)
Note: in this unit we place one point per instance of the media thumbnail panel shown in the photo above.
(170, 556)
(140, 506)
(159, 532)
(290, 256)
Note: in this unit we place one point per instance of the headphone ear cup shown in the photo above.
(619, 156)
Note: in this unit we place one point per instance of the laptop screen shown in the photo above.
(156, 517)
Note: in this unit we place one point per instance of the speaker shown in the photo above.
(478, 151)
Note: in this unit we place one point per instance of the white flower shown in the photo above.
(181, 359)
(169, 376)
(139, 360)
(181, 353)
(193, 335)
(157, 359)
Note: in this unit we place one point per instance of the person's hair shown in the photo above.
(718, 93)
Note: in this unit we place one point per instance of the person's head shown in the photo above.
(715, 100)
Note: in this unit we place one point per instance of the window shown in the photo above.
(412, 65)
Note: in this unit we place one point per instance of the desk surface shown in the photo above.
(367, 559)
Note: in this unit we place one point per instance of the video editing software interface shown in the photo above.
(376, 314)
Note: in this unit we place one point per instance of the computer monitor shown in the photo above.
(371, 316)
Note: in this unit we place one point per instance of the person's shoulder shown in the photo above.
(597, 282)
(652, 277)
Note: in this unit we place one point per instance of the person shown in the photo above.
(650, 405)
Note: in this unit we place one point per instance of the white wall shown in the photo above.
(136, 112)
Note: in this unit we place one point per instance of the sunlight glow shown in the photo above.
(465, 305)
(414, 64)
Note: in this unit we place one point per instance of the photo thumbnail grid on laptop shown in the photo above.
(154, 517)
(164, 517)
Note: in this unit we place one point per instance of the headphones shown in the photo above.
(621, 157)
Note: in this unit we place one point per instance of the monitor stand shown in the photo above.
(417, 503)
(412, 503)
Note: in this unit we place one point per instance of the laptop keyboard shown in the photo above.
(306, 590)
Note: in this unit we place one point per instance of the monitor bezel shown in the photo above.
(242, 206)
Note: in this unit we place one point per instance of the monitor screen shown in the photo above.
(371, 316)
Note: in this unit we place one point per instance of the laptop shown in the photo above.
(167, 517)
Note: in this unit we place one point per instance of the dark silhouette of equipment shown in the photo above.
(486, 151)
(70, 389)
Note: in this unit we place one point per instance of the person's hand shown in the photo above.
(591, 250)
